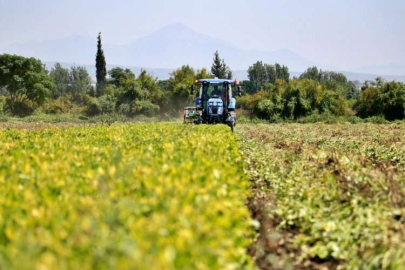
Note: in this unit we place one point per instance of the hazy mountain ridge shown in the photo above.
(389, 69)
(173, 46)
(168, 47)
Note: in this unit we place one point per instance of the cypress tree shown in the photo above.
(101, 69)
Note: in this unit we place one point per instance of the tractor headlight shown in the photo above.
(220, 110)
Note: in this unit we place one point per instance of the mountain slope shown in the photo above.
(390, 69)
(168, 47)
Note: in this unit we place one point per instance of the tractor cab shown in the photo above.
(214, 102)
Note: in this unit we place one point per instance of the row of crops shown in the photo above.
(155, 196)
(327, 195)
(172, 196)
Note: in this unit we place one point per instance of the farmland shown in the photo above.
(157, 196)
(173, 196)
(327, 196)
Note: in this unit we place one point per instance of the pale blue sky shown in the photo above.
(337, 33)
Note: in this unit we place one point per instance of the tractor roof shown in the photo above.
(216, 81)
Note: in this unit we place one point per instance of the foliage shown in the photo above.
(178, 92)
(120, 76)
(60, 76)
(334, 194)
(145, 107)
(294, 100)
(219, 69)
(80, 82)
(333, 81)
(248, 87)
(382, 99)
(2, 102)
(304, 97)
(180, 82)
(25, 81)
(132, 90)
(75, 82)
(260, 74)
(101, 105)
(151, 86)
(271, 94)
(63, 105)
(134, 95)
(203, 74)
(101, 67)
(158, 196)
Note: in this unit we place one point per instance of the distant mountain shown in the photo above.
(168, 47)
(173, 46)
(390, 69)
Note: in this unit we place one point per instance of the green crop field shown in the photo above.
(154, 196)
(327, 195)
(174, 196)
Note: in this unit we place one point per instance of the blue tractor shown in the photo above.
(214, 103)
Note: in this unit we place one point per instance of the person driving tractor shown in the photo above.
(216, 91)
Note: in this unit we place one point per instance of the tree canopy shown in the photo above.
(24, 79)
(219, 69)
(332, 80)
(261, 74)
(101, 67)
(75, 81)
(60, 76)
(382, 99)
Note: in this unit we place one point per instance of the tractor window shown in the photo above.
(214, 90)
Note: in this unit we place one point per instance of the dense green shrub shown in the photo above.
(102, 105)
(2, 103)
(302, 98)
(62, 105)
(385, 99)
(297, 99)
(332, 80)
(145, 107)
(262, 74)
(25, 82)
(19, 108)
(271, 108)
(124, 109)
(251, 102)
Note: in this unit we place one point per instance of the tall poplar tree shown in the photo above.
(101, 69)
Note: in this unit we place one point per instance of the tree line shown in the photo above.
(270, 92)
(275, 96)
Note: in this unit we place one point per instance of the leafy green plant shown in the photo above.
(102, 105)
(158, 196)
(334, 193)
